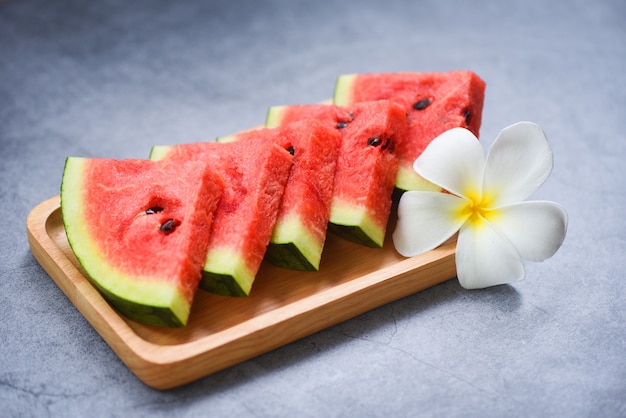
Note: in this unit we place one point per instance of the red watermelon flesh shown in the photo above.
(255, 174)
(366, 165)
(434, 102)
(140, 229)
(300, 231)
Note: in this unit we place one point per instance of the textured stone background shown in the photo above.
(112, 78)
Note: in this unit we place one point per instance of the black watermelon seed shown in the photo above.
(153, 210)
(169, 226)
(291, 151)
(422, 104)
(374, 142)
(467, 115)
(342, 125)
(387, 143)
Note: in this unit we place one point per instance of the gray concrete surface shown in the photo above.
(112, 78)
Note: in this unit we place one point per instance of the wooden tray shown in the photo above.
(283, 306)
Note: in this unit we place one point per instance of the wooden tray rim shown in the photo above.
(152, 362)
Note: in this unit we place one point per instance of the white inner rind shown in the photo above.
(408, 179)
(158, 152)
(274, 116)
(346, 214)
(343, 90)
(224, 261)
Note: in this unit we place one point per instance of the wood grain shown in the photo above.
(283, 306)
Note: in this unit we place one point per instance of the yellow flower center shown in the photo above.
(477, 208)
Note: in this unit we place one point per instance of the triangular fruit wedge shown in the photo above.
(140, 229)
(299, 235)
(366, 164)
(255, 174)
(434, 102)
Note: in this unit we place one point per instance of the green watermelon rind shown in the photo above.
(353, 223)
(145, 300)
(288, 256)
(292, 246)
(225, 273)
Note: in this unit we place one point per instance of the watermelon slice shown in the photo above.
(366, 164)
(434, 103)
(140, 229)
(298, 237)
(255, 174)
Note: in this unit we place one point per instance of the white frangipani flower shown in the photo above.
(484, 204)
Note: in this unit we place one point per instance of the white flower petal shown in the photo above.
(519, 161)
(536, 229)
(426, 220)
(484, 257)
(453, 161)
